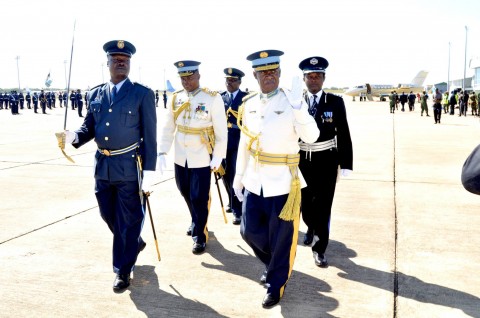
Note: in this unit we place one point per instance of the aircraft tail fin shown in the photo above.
(419, 79)
(170, 87)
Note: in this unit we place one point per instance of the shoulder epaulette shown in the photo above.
(91, 89)
(208, 91)
(336, 95)
(250, 95)
(179, 91)
(144, 86)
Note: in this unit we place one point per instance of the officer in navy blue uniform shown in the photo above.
(35, 102)
(122, 121)
(79, 102)
(14, 103)
(232, 98)
(49, 99)
(43, 101)
(28, 98)
(86, 99)
(73, 100)
(320, 161)
(21, 99)
(6, 99)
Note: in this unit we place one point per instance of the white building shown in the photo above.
(475, 65)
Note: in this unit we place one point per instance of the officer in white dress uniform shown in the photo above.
(267, 167)
(196, 121)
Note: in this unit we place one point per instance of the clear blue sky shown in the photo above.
(365, 41)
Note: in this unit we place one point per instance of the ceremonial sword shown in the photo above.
(146, 195)
(61, 136)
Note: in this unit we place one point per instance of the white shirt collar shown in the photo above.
(119, 85)
(234, 94)
(319, 94)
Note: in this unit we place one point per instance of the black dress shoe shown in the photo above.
(198, 248)
(229, 210)
(121, 282)
(263, 278)
(189, 231)
(308, 237)
(269, 301)
(320, 259)
(236, 220)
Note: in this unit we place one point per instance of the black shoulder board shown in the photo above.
(136, 83)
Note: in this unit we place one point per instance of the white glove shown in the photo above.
(70, 136)
(161, 163)
(147, 181)
(238, 194)
(65, 137)
(294, 96)
(345, 172)
(215, 163)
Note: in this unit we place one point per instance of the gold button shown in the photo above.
(106, 138)
(110, 110)
(108, 124)
(129, 112)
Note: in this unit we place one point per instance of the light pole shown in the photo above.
(465, 61)
(65, 68)
(448, 78)
(18, 73)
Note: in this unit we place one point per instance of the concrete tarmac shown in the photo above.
(404, 232)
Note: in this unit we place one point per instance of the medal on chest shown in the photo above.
(327, 117)
(201, 112)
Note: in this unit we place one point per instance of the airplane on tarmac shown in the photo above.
(382, 91)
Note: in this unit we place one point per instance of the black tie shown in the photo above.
(114, 93)
(231, 99)
(313, 107)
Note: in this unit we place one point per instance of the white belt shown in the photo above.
(317, 146)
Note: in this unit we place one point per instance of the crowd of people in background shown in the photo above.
(448, 102)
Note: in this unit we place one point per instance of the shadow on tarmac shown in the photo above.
(147, 296)
(304, 295)
(409, 287)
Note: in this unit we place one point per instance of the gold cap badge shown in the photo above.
(229, 71)
(180, 64)
(314, 61)
(263, 55)
(120, 44)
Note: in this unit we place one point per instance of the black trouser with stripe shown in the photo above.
(230, 167)
(273, 240)
(121, 209)
(320, 173)
(194, 185)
